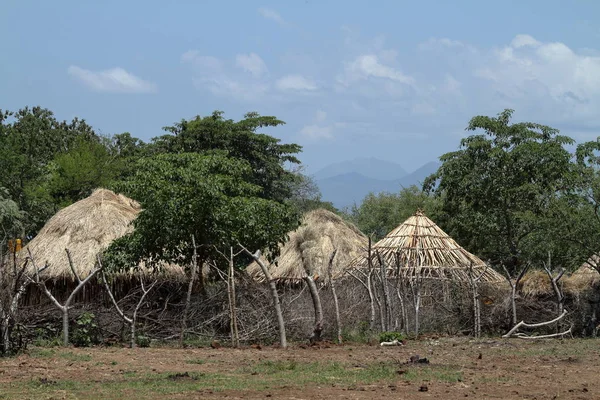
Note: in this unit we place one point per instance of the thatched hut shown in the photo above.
(418, 247)
(311, 245)
(536, 283)
(85, 228)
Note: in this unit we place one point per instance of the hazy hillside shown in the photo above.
(350, 187)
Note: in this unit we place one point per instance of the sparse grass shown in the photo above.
(198, 361)
(428, 373)
(262, 375)
(38, 352)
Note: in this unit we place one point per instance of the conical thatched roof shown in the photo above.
(85, 228)
(419, 247)
(312, 244)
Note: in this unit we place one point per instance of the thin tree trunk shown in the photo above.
(188, 298)
(64, 308)
(314, 293)
(367, 285)
(274, 295)
(385, 293)
(560, 298)
(232, 306)
(513, 289)
(335, 298)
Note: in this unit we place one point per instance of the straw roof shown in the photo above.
(537, 283)
(419, 247)
(85, 228)
(312, 244)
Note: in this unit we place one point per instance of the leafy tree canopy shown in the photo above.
(497, 188)
(380, 213)
(265, 154)
(210, 196)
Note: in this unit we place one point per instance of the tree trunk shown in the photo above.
(188, 298)
(513, 289)
(274, 295)
(371, 302)
(335, 298)
(132, 326)
(385, 293)
(65, 324)
(314, 293)
(232, 307)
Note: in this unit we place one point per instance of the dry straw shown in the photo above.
(536, 283)
(85, 228)
(419, 247)
(311, 245)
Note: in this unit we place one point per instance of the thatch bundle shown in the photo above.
(85, 228)
(311, 245)
(537, 283)
(419, 247)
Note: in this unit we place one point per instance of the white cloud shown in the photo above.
(206, 62)
(550, 68)
(317, 132)
(114, 80)
(230, 88)
(523, 41)
(295, 82)
(271, 14)
(251, 63)
(368, 66)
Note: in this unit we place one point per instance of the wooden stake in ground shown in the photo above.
(64, 308)
(401, 293)
(133, 320)
(335, 298)
(188, 298)
(274, 294)
(513, 286)
(385, 293)
(474, 284)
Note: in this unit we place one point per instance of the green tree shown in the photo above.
(11, 218)
(30, 139)
(76, 173)
(267, 157)
(498, 187)
(380, 213)
(210, 196)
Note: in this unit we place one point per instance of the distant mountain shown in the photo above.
(346, 189)
(417, 177)
(369, 167)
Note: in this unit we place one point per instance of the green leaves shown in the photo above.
(497, 188)
(209, 196)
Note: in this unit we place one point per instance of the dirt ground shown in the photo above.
(457, 369)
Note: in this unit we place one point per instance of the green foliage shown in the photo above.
(390, 336)
(86, 332)
(264, 153)
(497, 188)
(142, 341)
(210, 196)
(75, 174)
(379, 213)
(29, 140)
(11, 218)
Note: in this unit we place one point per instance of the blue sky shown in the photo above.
(397, 80)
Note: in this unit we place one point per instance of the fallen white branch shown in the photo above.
(394, 342)
(522, 324)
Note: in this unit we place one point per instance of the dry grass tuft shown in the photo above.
(86, 228)
(311, 245)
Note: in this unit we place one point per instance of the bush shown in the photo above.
(86, 333)
(390, 336)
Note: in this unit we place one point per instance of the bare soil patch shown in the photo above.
(457, 369)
